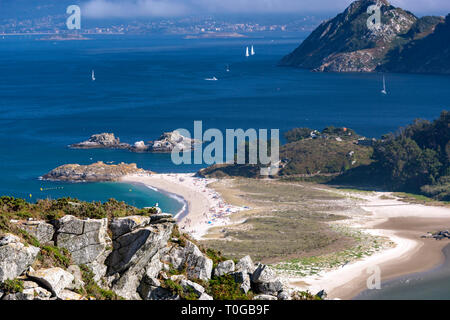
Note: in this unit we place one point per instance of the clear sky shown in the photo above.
(142, 8)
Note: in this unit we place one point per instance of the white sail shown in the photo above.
(253, 51)
(246, 52)
(384, 91)
(93, 75)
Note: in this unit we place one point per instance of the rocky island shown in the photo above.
(102, 140)
(95, 172)
(166, 143)
(402, 43)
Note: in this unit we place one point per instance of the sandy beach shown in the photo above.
(205, 207)
(384, 215)
(403, 224)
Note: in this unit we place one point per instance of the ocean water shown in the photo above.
(429, 285)
(149, 85)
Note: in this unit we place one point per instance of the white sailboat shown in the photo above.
(211, 79)
(252, 51)
(93, 75)
(384, 91)
(246, 52)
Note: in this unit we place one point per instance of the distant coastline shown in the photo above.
(215, 35)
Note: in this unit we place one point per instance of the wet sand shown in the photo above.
(426, 254)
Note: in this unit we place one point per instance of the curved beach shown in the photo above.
(404, 224)
(205, 207)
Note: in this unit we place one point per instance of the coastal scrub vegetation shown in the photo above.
(12, 286)
(19, 209)
(92, 290)
(416, 159)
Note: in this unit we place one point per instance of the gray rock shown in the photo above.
(283, 295)
(41, 230)
(224, 267)
(77, 282)
(98, 266)
(41, 294)
(86, 240)
(101, 140)
(205, 296)
(178, 277)
(264, 297)
(189, 286)
(17, 296)
(243, 279)
(70, 295)
(31, 291)
(121, 226)
(53, 279)
(30, 285)
(8, 238)
(154, 282)
(154, 267)
(70, 225)
(15, 257)
(157, 293)
(162, 218)
(245, 265)
(265, 280)
(132, 257)
(197, 265)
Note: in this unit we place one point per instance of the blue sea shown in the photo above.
(149, 85)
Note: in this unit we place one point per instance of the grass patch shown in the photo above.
(226, 288)
(51, 256)
(92, 289)
(11, 286)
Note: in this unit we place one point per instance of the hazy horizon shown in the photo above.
(110, 9)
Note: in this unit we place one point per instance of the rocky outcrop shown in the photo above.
(166, 143)
(135, 257)
(86, 240)
(93, 173)
(102, 140)
(15, 257)
(224, 267)
(346, 43)
(54, 280)
(136, 254)
(190, 257)
(245, 265)
(41, 230)
(265, 281)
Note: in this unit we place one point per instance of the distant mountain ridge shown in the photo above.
(346, 44)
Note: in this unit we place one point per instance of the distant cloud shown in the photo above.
(424, 6)
(162, 8)
(134, 8)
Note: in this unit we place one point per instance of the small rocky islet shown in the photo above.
(166, 143)
(96, 172)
